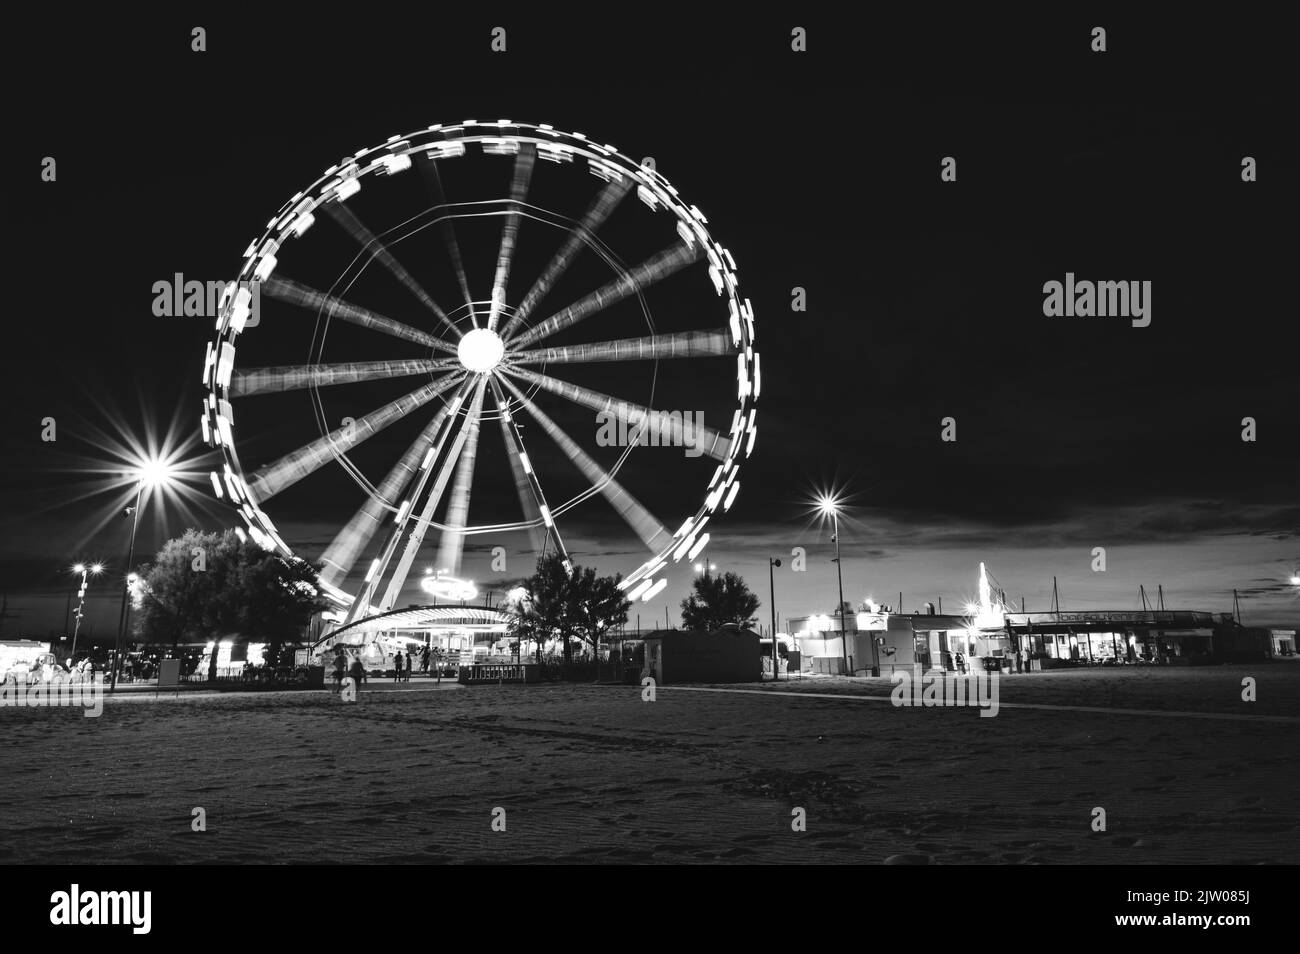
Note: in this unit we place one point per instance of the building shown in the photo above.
(730, 654)
(463, 634)
(882, 642)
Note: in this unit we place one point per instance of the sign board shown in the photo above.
(169, 674)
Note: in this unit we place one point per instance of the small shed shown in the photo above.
(730, 654)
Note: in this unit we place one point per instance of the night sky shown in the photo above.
(818, 170)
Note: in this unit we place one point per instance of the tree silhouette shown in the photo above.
(562, 605)
(207, 584)
(718, 600)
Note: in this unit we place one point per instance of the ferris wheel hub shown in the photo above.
(480, 350)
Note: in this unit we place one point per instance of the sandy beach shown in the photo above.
(594, 774)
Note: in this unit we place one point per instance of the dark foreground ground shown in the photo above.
(593, 773)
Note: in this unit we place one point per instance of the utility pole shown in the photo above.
(839, 574)
(124, 615)
(771, 589)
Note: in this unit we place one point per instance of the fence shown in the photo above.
(498, 673)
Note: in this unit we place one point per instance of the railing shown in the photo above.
(490, 673)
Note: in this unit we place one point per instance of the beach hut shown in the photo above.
(729, 654)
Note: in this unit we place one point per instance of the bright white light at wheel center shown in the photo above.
(480, 350)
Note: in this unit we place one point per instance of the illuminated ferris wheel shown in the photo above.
(483, 363)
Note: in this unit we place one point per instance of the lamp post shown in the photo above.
(830, 507)
(134, 512)
(150, 474)
(94, 570)
(771, 589)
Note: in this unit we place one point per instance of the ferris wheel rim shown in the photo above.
(295, 217)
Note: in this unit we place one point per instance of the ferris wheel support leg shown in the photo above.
(342, 553)
(527, 485)
(452, 546)
(416, 539)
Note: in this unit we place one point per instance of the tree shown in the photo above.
(565, 605)
(173, 594)
(718, 600)
(597, 605)
(207, 584)
(543, 611)
(278, 596)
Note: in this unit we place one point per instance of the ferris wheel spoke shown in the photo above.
(433, 181)
(652, 533)
(524, 162)
(347, 546)
(531, 498)
(275, 380)
(368, 240)
(684, 344)
(653, 269)
(669, 427)
(294, 466)
(287, 290)
(415, 541)
(452, 546)
(605, 202)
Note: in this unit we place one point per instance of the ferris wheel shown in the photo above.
(484, 363)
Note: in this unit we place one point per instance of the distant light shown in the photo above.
(96, 569)
(1295, 581)
(972, 609)
(79, 568)
(699, 568)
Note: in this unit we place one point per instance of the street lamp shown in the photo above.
(94, 570)
(771, 589)
(829, 506)
(150, 474)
